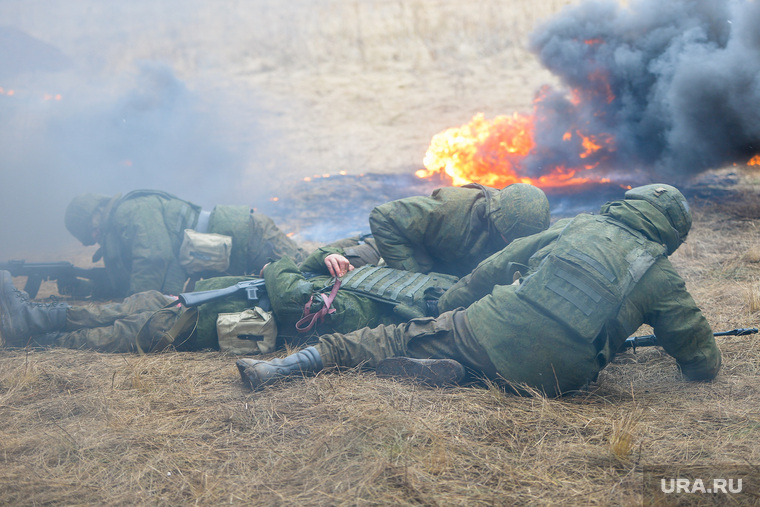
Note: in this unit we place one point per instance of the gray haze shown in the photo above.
(685, 75)
(108, 97)
(212, 101)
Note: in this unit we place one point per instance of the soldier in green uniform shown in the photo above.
(547, 312)
(455, 228)
(368, 296)
(140, 235)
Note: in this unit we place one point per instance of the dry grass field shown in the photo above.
(80, 427)
(369, 83)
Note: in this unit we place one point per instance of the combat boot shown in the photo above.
(433, 372)
(257, 373)
(21, 318)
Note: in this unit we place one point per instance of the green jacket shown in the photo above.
(455, 228)
(140, 241)
(289, 290)
(585, 285)
(144, 229)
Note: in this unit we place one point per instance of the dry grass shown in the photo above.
(80, 427)
(179, 428)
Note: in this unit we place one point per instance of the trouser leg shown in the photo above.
(445, 337)
(94, 315)
(110, 327)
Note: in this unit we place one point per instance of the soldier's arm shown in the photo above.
(150, 246)
(287, 289)
(498, 269)
(392, 225)
(679, 325)
(315, 262)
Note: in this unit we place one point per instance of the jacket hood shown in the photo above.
(644, 217)
(518, 210)
(79, 215)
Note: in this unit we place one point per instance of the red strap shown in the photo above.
(309, 320)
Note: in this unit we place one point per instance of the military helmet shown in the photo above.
(79, 214)
(519, 210)
(669, 201)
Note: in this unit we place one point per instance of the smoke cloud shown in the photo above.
(670, 88)
(114, 100)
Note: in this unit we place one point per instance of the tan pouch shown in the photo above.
(252, 331)
(201, 251)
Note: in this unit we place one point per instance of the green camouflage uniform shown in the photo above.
(114, 327)
(142, 232)
(456, 228)
(587, 283)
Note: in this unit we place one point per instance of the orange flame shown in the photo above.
(494, 152)
(491, 153)
(755, 160)
(472, 152)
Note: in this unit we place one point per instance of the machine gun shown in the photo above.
(68, 277)
(650, 340)
(254, 290)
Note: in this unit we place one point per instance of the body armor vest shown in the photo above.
(595, 263)
(396, 286)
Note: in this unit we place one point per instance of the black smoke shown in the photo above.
(669, 88)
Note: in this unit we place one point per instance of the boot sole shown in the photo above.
(241, 366)
(433, 372)
(252, 380)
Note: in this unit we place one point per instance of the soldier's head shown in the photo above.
(670, 204)
(519, 210)
(83, 216)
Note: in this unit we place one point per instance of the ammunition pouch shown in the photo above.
(252, 331)
(203, 252)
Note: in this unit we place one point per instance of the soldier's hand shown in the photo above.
(338, 265)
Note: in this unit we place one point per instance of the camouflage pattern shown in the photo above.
(107, 327)
(255, 239)
(408, 292)
(143, 230)
(671, 203)
(455, 228)
(114, 327)
(140, 241)
(289, 291)
(79, 216)
(205, 336)
(588, 283)
(446, 336)
(359, 250)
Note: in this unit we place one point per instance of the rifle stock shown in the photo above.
(65, 273)
(253, 288)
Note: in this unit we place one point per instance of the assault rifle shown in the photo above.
(68, 276)
(650, 340)
(254, 291)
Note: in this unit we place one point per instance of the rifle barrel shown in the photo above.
(650, 340)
